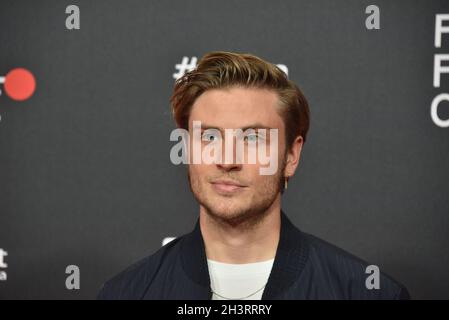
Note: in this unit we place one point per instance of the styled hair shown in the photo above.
(222, 70)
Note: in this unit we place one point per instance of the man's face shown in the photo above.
(237, 108)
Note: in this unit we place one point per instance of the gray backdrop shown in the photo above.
(85, 173)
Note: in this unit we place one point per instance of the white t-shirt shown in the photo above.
(236, 281)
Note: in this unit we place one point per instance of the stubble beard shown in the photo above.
(247, 215)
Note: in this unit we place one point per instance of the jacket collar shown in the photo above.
(289, 261)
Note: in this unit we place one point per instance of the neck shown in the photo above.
(246, 242)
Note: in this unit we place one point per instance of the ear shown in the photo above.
(293, 155)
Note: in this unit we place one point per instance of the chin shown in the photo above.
(228, 213)
(225, 212)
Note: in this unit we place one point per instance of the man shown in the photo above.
(243, 245)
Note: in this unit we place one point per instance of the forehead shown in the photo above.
(237, 108)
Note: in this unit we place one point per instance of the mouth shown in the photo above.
(227, 186)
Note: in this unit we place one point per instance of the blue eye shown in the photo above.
(251, 137)
(209, 136)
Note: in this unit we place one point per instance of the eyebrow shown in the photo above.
(252, 126)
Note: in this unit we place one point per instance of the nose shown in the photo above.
(229, 166)
(234, 163)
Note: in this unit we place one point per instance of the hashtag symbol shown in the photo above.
(184, 67)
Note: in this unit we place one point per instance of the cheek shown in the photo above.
(258, 179)
(199, 173)
(254, 176)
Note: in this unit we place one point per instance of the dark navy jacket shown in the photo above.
(304, 267)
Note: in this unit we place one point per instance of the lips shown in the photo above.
(227, 186)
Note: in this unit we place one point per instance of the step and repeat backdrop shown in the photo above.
(86, 182)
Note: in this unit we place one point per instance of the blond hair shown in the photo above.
(220, 70)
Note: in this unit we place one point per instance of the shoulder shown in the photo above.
(132, 282)
(348, 274)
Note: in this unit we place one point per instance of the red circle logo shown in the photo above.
(20, 84)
